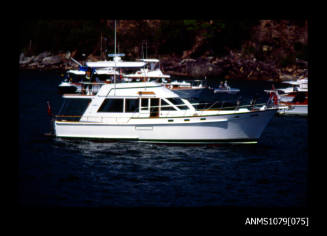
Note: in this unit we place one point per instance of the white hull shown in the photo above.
(294, 110)
(231, 91)
(242, 127)
(284, 98)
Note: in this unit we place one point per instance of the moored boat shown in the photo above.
(149, 112)
(296, 104)
(102, 72)
(225, 88)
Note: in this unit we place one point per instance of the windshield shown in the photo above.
(179, 103)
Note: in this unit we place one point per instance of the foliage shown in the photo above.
(171, 37)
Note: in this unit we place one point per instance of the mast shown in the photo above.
(101, 46)
(115, 36)
(115, 62)
(146, 48)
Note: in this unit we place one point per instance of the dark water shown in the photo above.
(57, 172)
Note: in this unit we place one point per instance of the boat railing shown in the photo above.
(137, 114)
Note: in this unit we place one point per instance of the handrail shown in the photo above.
(66, 116)
(136, 113)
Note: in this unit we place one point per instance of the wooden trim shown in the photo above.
(146, 93)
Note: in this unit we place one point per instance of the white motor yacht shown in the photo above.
(297, 104)
(288, 94)
(149, 112)
(104, 72)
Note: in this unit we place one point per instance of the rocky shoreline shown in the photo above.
(234, 65)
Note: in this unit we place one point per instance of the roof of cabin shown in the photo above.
(120, 64)
(134, 89)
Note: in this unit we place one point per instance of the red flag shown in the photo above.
(49, 109)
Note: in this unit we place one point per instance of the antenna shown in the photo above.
(115, 36)
(115, 63)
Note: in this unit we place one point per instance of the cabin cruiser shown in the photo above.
(291, 100)
(103, 72)
(150, 112)
(289, 93)
(150, 71)
(297, 105)
(74, 80)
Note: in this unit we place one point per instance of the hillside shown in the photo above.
(247, 49)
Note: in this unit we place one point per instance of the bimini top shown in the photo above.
(102, 71)
(76, 72)
(135, 90)
(106, 71)
(115, 64)
(296, 82)
(148, 74)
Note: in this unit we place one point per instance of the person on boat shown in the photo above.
(226, 85)
(221, 86)
(88, 86)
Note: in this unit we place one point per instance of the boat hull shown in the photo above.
(241, 127)
(301, 110)
(230, 91)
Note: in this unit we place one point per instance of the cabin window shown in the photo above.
(144, 104)
(73, 108)
(154, 107)
(131, 105)
(166, 107)
(112, 105)
(178, 102)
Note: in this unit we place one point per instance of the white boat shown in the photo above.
(103, 72)
(294, 105)
(298, 85)
(145, 73)
(225, 88)
(293, 109)
(185, 85)
(149, 112)
(288, 94)
(116, 63)
(75, 80)
(153, 74)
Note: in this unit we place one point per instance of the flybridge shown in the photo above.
(116, 62)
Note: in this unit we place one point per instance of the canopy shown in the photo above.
(113, 64)
(76, 72)
(106, 71)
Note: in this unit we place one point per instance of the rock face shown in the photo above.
(44, 61)
(233, 66)
(51, 60)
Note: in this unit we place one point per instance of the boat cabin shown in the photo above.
(125, 100)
